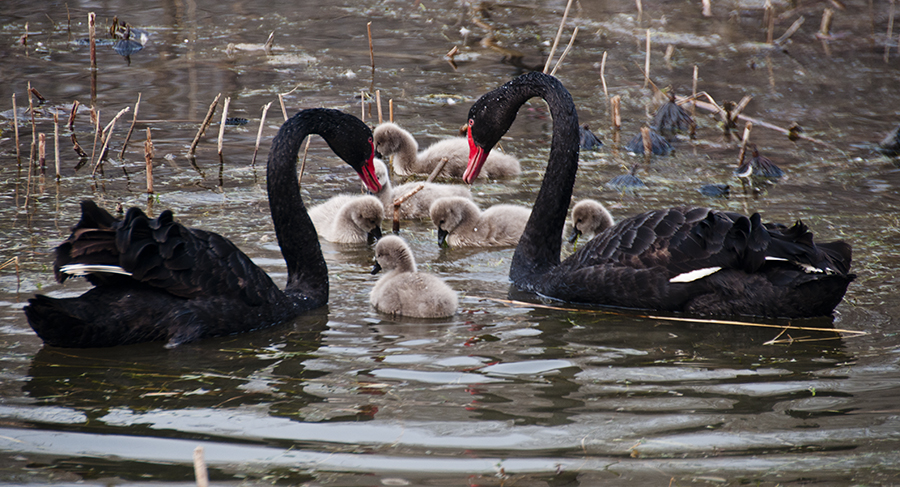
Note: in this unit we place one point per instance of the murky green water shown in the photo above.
(500, 394)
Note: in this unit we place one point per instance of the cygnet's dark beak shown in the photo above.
(575, 234)
(374, 234)
(377, 268)
(442, 238)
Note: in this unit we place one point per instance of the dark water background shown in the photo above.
(498, 395)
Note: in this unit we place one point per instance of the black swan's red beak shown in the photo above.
(477, 156)
(367, 173)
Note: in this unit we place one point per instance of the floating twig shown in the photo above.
(131, 129)
(566, 51)
(148, 158)
(222, 123)
(788, 33)
(262, 121)
(562, 24)
(449, 57)
(204, 125)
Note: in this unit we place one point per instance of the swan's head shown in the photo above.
(389, 139)
(451, 212)
(489, 118)
(348, 136)
(392, 252)
(589, 217)
(367, 214)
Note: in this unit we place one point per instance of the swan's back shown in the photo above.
(463, 225)
(348, 219)
(403, 291)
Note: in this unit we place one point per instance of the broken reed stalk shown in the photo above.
(603, 75)
(371, 54)
(391, 110)
(640, 8)
(71, 123)
(362, 105)
(200, 473)
(107, 131)
(745, 139)
(647, 61)
(378, 106)
(269, 43)
(825, 25)
(303, 162)
(92, 33)
(707, 8)
(283, 109)
(616, 121)
(131, 129)
(262, 122)
(16, 129)
(769, 20)
(694, 90)
(33, 126)
(222, 123)
(566, 51)
(648, 143)
(890, 33)
(148, 158)
(399, 201)
(562, 24)
(791, 30)
(42, 152)
(56, 142)
(204, 125)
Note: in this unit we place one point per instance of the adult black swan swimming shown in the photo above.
(158, 280)
(694, 260)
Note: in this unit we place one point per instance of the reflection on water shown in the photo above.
(502, 393)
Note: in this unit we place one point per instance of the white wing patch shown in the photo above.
(695, 274)
(85, 269)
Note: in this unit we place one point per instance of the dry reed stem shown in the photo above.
(707, 8)
(56, 142)
(92, 33)
(270, 41)
(825, 25)
(108, 135)
(33, 126)
(566, 51)
(647, 61)
(262, 122)
(204, 125)
(9, 262)
(391, 110)
(640, 8)
(378, 106)
(303, 162)
(200, 473)
(283, 109)
(694, 90)
(562, 24)
(95, 115)
(371, 54)
(399, 201)
(362, 105)
(16, 129)
(603, 75)
(745, 139)
(614, 104)
(137, 105)
(791, 30)
(148, 158)
(707, 321)
(222, 123)
(648, 144)
(71, 122)
(42, 152)
(769, 20)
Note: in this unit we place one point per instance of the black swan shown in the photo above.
(403, 291)
(158, 280)
(694, 260)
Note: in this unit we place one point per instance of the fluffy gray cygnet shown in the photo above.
(589, 217)
(461, 224)
(415, 207)
(348, 219)
(403, 291)
(390, 139)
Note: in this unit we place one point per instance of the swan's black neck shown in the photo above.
(307, 272)
(539, 248)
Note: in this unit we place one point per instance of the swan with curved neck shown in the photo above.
(157, 280)
(694, 260)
